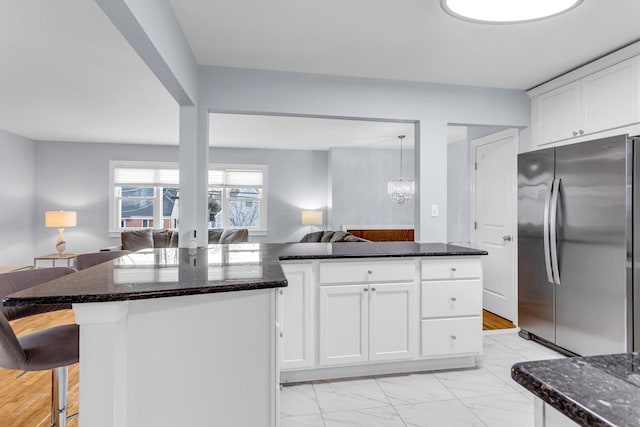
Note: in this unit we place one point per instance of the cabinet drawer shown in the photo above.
(451, 269)
(451, 336)
(368, 271)
(452, 298)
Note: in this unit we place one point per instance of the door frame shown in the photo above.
(488, 139)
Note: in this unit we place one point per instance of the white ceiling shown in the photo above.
(69, 75)
(305, 133)
(402, 39)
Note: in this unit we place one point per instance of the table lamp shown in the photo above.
(60, 220)
(311, 218)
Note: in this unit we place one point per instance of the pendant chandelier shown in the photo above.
(401, 190)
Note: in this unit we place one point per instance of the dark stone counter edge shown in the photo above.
(129, 296)
(385, 255)
(564, 404)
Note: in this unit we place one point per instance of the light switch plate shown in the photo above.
(434, 210)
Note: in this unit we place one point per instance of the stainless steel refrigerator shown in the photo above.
(576, 246)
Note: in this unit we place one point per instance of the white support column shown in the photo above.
(194, 161)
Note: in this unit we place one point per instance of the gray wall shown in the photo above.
(359, 186)
(75, 176)
(18, 199)
(431, 106)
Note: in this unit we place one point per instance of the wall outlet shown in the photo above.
(434, 210)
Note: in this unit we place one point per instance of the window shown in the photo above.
(236, 197)
(146, 195)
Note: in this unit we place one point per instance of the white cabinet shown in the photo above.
(297, 317)
(344, 324)
(360, 323)
(559, 113)
(392, 321)
(595, 102)
(451, 307)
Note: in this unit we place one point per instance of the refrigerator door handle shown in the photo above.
(547, 249)
(554, 231)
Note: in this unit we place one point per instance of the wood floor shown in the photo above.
(492, 322)
(25, 400)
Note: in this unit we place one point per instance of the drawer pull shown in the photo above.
(281, 334)
(281, 292)
(453, 269)
(373, 289)
(453, 337)
(369, 272)
(454, 299)
(365, 290)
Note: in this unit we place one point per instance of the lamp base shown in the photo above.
(61, 245)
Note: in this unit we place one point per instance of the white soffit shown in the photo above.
(402, 40)
(305, 133)
(69, 75)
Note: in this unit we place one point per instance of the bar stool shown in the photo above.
(89, 260)
(49, 349)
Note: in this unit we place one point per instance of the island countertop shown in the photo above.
(157, 273)
(592, 391)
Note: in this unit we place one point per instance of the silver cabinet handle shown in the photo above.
(281, 292)
(454, 299)
(507, 238)
(373, 289)
(453, 337)
(547, 249)
(281, 334)
(554, 230)
(365, 290)
(369, 272)
(581, 132)
(575, 133)
(453, 269)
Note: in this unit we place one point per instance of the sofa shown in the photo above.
(329, 236)
(148, 238)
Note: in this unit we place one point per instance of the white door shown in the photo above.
(297, 317)
(495, 184)
(392, 321)
(343, 324)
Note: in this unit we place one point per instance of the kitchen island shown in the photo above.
(590, 391)
(177, 337)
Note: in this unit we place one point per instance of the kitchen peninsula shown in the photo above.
(173, 337)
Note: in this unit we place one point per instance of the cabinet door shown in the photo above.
(343, 324)
(610, 97)
(297, 317)
(559, 113)
(393, 321)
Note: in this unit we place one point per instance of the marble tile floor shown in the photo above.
(483, 397)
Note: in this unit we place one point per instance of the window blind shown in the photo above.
(142, 176)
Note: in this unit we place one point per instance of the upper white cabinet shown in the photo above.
(596, 102)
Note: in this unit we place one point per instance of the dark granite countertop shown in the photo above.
(170, 272)
(592, 391)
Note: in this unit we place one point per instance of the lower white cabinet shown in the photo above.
(343, 324)
(297, 317)
(368, 322)
(451, 336)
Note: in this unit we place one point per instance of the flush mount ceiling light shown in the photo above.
(506, 11)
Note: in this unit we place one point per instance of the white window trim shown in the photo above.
(115, 229)
(263, 203)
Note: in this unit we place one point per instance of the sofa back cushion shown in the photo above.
(238, 235)
(165, 238)
(134, 240)
(214, 235)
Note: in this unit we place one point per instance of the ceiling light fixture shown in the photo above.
(401, 190)
(506, 11)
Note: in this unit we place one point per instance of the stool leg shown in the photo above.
(59, 397)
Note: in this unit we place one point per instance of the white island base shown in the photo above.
(197, 360)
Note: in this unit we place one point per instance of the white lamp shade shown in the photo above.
(60, 219)
(311, 217)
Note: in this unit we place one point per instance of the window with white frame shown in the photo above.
(236, 197)
(146, 195)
